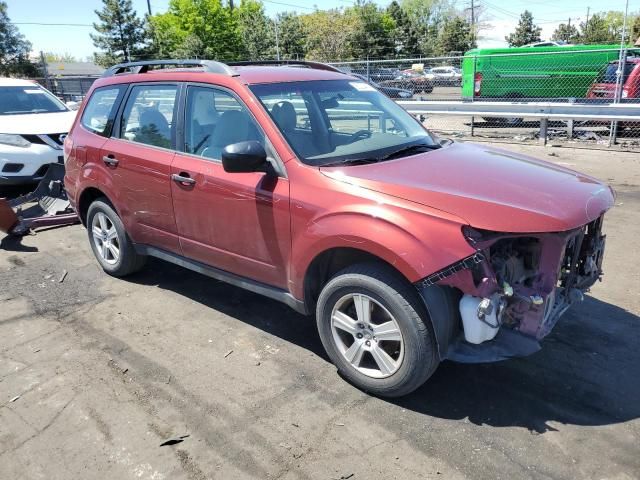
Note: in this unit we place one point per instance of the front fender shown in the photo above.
(414, 243)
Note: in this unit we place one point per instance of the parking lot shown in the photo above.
(96, 373)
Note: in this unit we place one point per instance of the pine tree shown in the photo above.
(597, 30)
(405, 35)
(291, 36)
(566, 33)
(14, 48)
(526, 31)
(257, 31)
(121, 34)
(455, 37)
(371, 32)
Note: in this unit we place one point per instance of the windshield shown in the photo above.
(18, 100)
(337, 121)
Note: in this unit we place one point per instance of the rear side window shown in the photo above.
(149, 115)
(101, 109)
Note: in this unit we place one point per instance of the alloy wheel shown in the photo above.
(367, 335)
(105, 238)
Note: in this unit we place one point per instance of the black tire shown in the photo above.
(400, 298)
(129, 260)
(509, 121)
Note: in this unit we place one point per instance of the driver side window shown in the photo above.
(214, 119)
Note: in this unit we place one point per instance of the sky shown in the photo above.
(500, 17)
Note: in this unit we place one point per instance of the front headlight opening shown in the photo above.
(14, 140)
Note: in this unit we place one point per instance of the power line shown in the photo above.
(45, 24)
(288, 4)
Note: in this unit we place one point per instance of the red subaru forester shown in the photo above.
(309, 186)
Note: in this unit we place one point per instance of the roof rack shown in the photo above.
(209, 66)
(284, 63)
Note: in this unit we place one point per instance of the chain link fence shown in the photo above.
(585, 74)
(68, 89)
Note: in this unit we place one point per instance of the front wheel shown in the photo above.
(375, 329)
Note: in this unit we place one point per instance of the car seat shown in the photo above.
(233, 127)
(153, 128)
(285, 116)
(204, 118)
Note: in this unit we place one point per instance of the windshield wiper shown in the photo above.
(351, 161)
(364, 160)
(409, 149)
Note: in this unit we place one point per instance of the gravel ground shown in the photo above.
(96, 373)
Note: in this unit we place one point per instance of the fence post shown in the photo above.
(473, 89)
(544, 122)
(620, 74)
(613, 133)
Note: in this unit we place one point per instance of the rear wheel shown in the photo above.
(109, 241)
(375, 329)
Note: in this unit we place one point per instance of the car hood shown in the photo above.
(37, 123)
(490, 188)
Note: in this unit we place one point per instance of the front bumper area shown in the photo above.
(20, 165)
(523, 284)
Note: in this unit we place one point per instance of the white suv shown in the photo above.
(33, 125)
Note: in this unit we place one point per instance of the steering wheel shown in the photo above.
(360, 133)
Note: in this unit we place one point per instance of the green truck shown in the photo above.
(555, 72)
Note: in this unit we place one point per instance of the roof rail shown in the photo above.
(298, 63)
(209, 66)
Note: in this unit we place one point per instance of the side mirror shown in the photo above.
(243, 157)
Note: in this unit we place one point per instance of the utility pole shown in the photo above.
(149, 7)
(230, 4)
(473, 20)
(472, 11)
(587, 22)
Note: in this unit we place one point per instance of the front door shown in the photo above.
(237, 222)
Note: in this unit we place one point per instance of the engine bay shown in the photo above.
(522, 282)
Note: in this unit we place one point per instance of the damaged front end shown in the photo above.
(512, 291)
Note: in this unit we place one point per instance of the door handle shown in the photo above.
(110, 160)
(183, 178)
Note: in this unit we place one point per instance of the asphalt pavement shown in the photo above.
(171, 375)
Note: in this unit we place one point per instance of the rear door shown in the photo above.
(237, 222)
(90, 134)
(139, 157)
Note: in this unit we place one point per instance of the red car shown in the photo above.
(605, 84)
(309, 186)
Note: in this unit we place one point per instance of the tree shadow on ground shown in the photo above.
(586, 373)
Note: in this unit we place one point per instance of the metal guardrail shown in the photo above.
(612, 113)
(561, 111)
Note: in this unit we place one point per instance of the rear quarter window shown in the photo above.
(100, 112)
